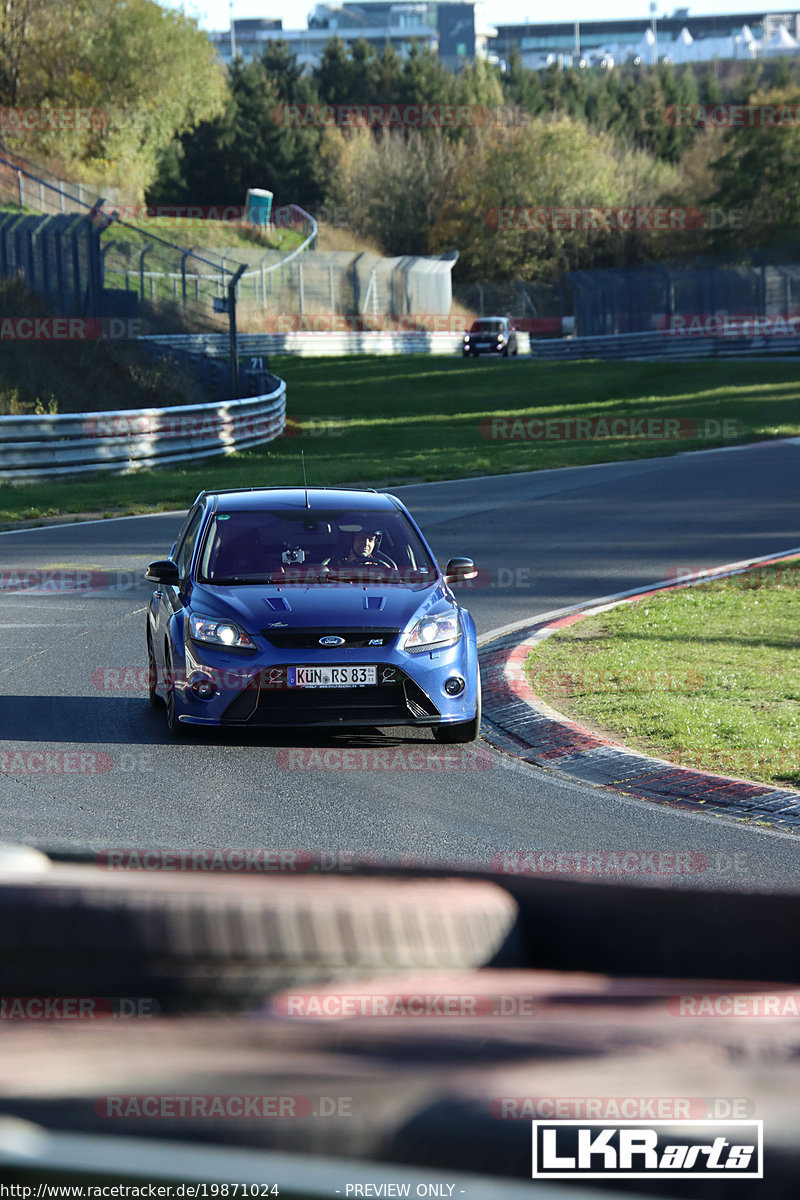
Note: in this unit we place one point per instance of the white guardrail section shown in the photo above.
(322, 344)
(73, 443)
(654, 346)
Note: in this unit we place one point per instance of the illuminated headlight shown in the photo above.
(466, 337)
(433, 633)
(219, 633)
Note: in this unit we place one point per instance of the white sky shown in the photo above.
(215, 14)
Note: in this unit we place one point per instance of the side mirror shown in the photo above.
(458, 569)
(163, 570)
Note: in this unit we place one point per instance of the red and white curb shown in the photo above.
(522, 724)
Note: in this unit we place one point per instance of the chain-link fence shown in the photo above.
(514, 298)
(58, 257)
(172, 289)
(338, 282)
(678, 296)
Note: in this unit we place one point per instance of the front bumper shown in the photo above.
(253, 692)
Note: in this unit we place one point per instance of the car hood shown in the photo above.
(257, 607)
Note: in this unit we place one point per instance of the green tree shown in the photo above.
(758, 173)
(248, 145)
(149, 73)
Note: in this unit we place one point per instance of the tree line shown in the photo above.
(177, 127)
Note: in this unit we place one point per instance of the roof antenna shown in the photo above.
(305, 481)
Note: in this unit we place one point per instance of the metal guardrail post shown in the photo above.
(142, 257)
(232, 321)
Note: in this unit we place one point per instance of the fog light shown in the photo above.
(203, 689)
(454, 685)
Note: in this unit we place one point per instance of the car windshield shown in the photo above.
(303, 546)
(487, 327)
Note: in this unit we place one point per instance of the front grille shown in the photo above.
(355, 638)
(269, 701)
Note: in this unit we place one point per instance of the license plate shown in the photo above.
(316, 677)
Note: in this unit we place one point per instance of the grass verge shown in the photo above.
(48, 376)
(707, 676)
(378, 421)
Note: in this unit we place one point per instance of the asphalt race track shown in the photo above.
(541, 540)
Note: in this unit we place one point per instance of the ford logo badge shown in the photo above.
(331, 640)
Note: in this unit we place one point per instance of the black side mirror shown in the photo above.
(458, 569)
(163, 570)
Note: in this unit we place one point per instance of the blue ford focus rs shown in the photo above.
(302, 607)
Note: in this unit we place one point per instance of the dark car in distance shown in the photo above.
(490, 335)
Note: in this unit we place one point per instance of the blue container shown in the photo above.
(259, 206)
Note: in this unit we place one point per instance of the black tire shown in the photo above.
(152, 675)
(190, 941)
(176, 729)
(505, 351)
(465, 731)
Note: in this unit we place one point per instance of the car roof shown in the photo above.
(240, 499)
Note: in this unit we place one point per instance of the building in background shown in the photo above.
(678, 38)
(447, 28)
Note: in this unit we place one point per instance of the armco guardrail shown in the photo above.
(663, 345)
(74, 443)
(624, 345)
(322, 344)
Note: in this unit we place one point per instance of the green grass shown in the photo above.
(196, 233)
(74, 376)
(707, 676)
(415, 418)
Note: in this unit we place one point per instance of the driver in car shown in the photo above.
(362, 550)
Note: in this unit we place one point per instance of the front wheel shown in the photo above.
(464, 731)
(152, 675)
(175, 727)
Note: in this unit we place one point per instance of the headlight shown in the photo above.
(433, 633)
(219, 633)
